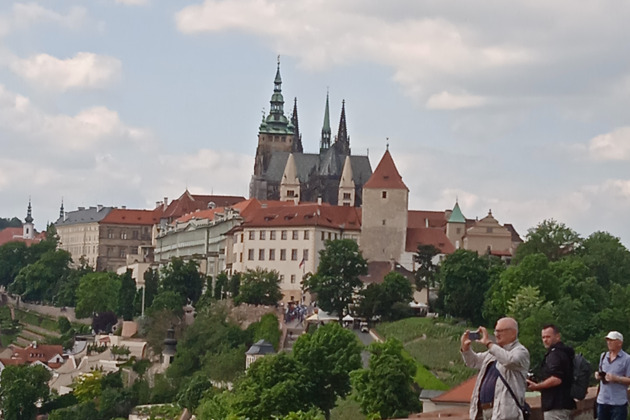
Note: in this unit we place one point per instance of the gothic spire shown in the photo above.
(61, 210)
(326, 133)
(297, 136)
(29, 217)
(276, 122)
(342, 134)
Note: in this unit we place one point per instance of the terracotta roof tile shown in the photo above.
(15, 235)
(386, 175)
(462, 393)
(132, 217)
(308, 214)
(422, 218)
(188, 203)
(42, 353)
(428, 236)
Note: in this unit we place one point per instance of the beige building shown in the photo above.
(288, 239)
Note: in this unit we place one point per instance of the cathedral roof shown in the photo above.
(386, 175)
(309, 164)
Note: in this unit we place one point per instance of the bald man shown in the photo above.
(491, 399)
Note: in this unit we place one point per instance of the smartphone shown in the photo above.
(474, 335)
(602, 376)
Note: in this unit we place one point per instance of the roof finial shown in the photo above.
(278, 60)
(387, 144)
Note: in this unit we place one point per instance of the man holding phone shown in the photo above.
(508, 358)
(614, 374)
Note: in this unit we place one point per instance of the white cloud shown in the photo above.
(84, 70)
(87, 129)
(29, 14)
(133, 2)
(611, 146)
(451, 101)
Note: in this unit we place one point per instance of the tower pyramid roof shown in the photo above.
(456, 215)
(386, 175)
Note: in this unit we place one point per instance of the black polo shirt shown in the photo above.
(558, 362)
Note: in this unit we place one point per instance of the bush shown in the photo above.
(63, 324)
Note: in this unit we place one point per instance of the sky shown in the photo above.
(520, 107)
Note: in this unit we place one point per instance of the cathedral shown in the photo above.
(282, 171)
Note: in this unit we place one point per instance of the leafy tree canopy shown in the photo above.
(23, 386)
(97, 292)
(337, 278)
(259, 287)
(183, 277)
(550, 238)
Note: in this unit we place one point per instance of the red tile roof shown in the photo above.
(307, 214)
(386, 175)
(428, 236)
(188, 203)
(132, 217)
(40, 352)
(244, 207)
(462, 393)
(419, 218)
(15, 235)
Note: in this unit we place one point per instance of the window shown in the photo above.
(272, 235)
(383, 222)
(261, 255)
(489, 230)
(384, 194)
(262, 235)
(252, 234)
(295, 235)
(242, 235)
(134, 234)
(123, 234)
(305, 254)
(250, 254)
(306, 234)
(281, 278)
(240, 258)
(290, 193)
(283, 234)
(294, 255)
(323, 237)
(335, 236)
(283, 255)
(292, 278)
(123, 252)
(110, 234)
(459, 230)
(347, 196)
(329, 236)
(272, 255)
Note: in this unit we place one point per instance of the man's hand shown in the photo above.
(465, 341)
(531, 385)
(485, 339)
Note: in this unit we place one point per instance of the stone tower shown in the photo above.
(385, 206)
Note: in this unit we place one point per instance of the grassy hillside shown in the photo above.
(434, 344)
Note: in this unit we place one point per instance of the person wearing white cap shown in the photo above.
(614, 377)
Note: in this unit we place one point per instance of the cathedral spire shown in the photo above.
(342, 134)
(326, 132)
(297, 136)
(276, 122)
(61, 210)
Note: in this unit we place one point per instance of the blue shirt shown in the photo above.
(614, 393)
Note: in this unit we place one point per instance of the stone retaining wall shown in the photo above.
(50, 311)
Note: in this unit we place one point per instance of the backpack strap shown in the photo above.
(509, 388)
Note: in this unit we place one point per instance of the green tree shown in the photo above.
(22, 387)
(193, 391)
(12, 260)
(607, 258)
(259, 287)
(328, 355)
(126, 296)
(66, 294)
(183, 278)
(168, 300)
(220, 285)
(268, 328)
(151, 284)
(97, 292)
(273, 386)
(550, 238)
(386, 387)
(426, 273)
(397, 293)
(464, 279)
(39, 280)
(87, 387)
(234, 285)
(370, 301)
(337, 278)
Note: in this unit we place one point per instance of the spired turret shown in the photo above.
(28, 230)
(290, 184)
(346, 185)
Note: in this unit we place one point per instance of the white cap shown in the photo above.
(614, 335)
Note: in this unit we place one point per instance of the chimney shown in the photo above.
(158, 204)
(165, 201)
(123, 207)
(319, 200)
